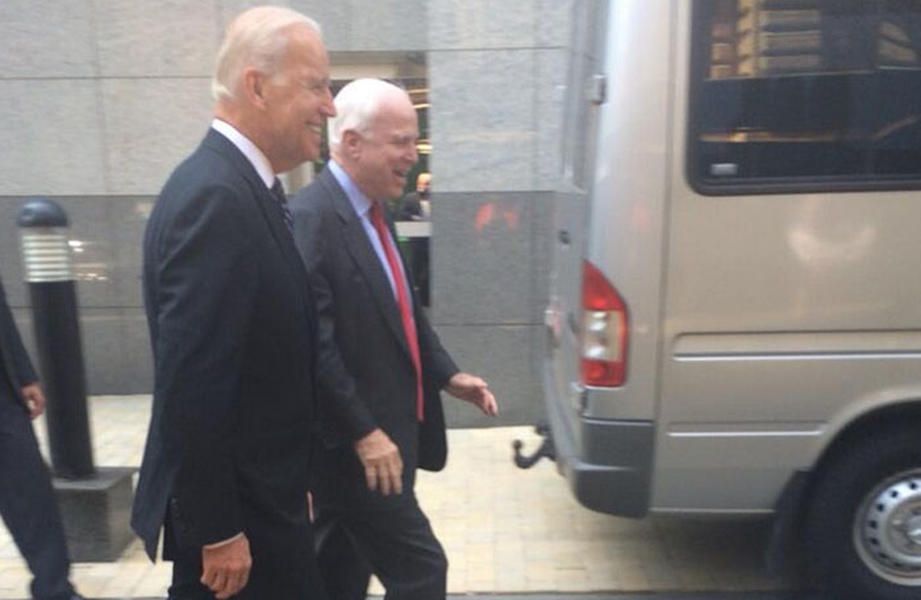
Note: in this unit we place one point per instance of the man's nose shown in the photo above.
(329, 107)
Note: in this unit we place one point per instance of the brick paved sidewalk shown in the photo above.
(505, 530)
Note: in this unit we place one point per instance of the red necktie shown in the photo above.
(406, 313)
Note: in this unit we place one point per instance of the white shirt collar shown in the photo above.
(252, 153)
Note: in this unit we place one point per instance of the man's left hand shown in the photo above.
(34, 398)
(475, 391)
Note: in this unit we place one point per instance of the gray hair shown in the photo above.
(356, 105)
(253, 40)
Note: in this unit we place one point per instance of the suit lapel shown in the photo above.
(363, 255)
(270, 210)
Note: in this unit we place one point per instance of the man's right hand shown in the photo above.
(382, 462)
(225, 567)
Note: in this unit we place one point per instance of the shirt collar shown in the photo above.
(360, 203)
(252, 153)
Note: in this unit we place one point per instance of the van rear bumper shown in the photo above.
(609, 468)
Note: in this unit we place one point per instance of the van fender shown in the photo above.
(863, 411)
(896, 404)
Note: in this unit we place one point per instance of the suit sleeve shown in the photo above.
(12, 345)
(339, 396)
(206, 283)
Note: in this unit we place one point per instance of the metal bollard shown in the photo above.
(49, 273)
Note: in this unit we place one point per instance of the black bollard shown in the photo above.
(94, 503)
(49, 273)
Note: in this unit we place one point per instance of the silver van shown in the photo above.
(734, 325)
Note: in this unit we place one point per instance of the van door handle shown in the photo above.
(564, 237)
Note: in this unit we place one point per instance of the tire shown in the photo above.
(863, 524)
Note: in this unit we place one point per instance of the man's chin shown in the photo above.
(310, 154)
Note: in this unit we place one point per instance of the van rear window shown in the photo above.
(805, 95)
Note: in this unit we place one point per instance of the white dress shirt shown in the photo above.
(253, 154)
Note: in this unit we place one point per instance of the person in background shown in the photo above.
(417, 206)
(27, 502)
(381, 410)
(233, 328)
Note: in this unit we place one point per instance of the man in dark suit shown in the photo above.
(382, 413)
(27, 501)
(417, 206)
(233, 329)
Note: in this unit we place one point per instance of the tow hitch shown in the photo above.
(545, 450)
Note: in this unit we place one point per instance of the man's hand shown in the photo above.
(473, 390)
(225, 567)
(35, 399)
(382, 462)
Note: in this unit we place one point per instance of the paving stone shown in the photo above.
(505, 530)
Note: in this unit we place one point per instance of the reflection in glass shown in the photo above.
(806, 90)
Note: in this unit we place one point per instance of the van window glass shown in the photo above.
(807, 93)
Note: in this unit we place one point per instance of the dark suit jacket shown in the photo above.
(410, 207)
(15, 364)
(371, 382)
(233, 331)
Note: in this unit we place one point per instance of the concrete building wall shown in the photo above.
(100, 99)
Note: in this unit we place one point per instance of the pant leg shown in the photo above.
(402, 550)
(344, 571)
(186, 584)
(284, 566)
(28, 505)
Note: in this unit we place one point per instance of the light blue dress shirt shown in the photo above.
(362, 206)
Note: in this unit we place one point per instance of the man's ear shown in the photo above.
(253, 84)
(351, 143)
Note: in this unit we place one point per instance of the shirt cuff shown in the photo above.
(223, 543)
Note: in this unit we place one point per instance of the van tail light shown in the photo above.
(604, 331)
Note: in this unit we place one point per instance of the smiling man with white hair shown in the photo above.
(381, 413)
(233, 329)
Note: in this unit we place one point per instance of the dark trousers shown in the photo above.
(396, 543)
(284, 566)
(27, 501)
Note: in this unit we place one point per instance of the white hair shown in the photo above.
(253, 39)
(356, 104)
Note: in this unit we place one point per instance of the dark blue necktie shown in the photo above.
(279, 191)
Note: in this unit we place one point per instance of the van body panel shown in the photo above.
(629, 194)
(628, 187)
(832, 310)
(761, 324)
(603, 455)
(570, 226)
(754, 204)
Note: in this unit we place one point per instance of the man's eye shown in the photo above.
(317, 87)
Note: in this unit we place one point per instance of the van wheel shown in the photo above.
(863, 526)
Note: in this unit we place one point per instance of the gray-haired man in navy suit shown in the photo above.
(381, 410)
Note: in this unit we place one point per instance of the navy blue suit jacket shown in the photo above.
(371, 381)
(232, 324)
